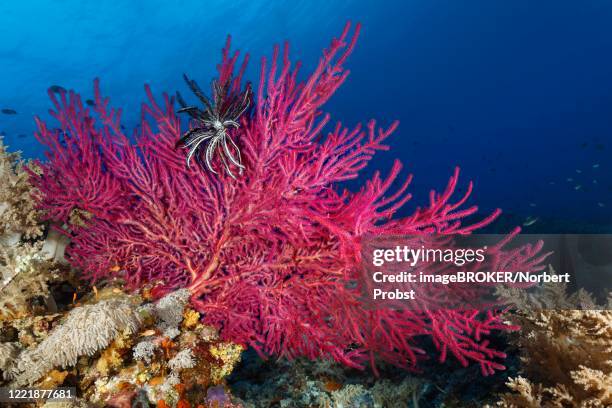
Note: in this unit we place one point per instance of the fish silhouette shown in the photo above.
(57, 89)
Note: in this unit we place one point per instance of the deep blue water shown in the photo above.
(518, 93)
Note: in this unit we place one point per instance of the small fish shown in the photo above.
(569, 179)
(584, 145)
(146, 333)
(8, 111)
(95, 290)
(578, 171)
(600, 146)
(530, 221)
(552, 183)
(602, 205)
(578, 187)
(57, 89)
(596, 165)
(90, 102)
(594, 181)
(21, 135)
(532, 204)
(114, 269)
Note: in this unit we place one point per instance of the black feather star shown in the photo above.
(210, 134)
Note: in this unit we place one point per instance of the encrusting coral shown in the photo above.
(566, 351)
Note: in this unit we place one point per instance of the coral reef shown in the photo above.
(49, 339)
(271, 258)
(303, 383)
(98, 344)
(321, 383)
(566, 351)
(164, 371)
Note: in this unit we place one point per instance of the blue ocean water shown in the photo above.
(519, 94)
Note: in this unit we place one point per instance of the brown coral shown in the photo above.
(24, 275)
(566, 354)
(17, 209)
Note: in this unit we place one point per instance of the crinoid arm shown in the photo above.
(193, 111)
(192, 141)
(237, 104)
(197, 91)
(234, 157)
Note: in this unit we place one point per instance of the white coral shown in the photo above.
(144, 351)
(183, 359)
(86, 330)
(171, 332)
(54, 246)
(167, 388)
(169, 309)
(172, 379)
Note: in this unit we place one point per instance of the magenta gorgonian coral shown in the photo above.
(268, 256)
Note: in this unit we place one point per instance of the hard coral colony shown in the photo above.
(266, 256)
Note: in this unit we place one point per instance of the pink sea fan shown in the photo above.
(268, 257)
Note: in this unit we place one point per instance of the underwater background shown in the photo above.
(519, 94)
(137, 281)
